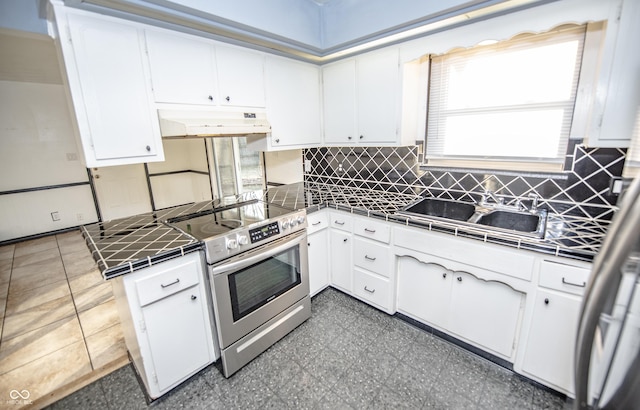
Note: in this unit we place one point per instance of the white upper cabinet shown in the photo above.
(616, 107)
(183, 69)
(339, 102)
(293, 102)
(378, 87)
(361, 99)
(240, 76)
(108, 79)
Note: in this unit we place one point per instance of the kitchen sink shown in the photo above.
(442, 208)
(524, 222)
(511, 220)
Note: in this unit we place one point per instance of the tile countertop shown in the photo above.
(571, 237)
(128, 244)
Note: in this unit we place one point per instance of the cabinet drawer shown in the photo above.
(566, 278)
(316, 222)
(372, 256)
(341, 221)
(167, 282)
(372, 288)
(372, 229)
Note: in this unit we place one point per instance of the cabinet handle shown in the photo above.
(459, 278)
(362, 136)
(349, 137)
(546, 301)
(368, 290)
(194, 297)
(338, 223)
(344, 240)
(148, 148)
(277, 140)
(170, 284)
(574, 284)
(228, 98)
(308, 244)
(369, 230)
(367, 257)
(444, 275)
(316, 223)
(210, 98)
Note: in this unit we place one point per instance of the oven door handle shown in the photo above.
(268, 252)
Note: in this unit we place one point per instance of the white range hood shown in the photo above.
(218, 123)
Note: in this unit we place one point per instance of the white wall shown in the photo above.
(37, 144)
(178, 189)
(284, 167)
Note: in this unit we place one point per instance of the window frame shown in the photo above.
(585, 99)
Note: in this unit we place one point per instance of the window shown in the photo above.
(238, 170)
(507, 102)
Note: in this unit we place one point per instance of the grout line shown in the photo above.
(75, 307)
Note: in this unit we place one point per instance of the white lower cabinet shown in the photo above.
(550, 345)
(318, 241)
(373, 289)
(166, 321)
(483, 313)
(552, 337)
(424, 291)
(373, 277)
(341, 265)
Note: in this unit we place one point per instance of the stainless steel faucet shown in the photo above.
(496, 198)
(534, 203)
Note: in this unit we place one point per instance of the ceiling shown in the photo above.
(312, 30)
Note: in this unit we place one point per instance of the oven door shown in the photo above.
(253, 287)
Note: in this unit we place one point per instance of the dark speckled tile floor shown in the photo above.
(348, 355)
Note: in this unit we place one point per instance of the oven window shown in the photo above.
(258, 284)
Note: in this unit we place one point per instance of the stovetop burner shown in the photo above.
(237, 228)
(219, 221)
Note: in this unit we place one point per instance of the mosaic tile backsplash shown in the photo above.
(581, 190)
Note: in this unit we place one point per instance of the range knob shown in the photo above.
(285, 224)
(301, 220)
(232, 244)
(243, 240)
(293, 222)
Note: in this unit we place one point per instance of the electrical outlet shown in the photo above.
(80, 217)
(55, 216)
(72, 156)
(615, 186)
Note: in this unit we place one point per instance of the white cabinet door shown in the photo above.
(293, 102)
(339, 110)
(177, 335)
(551, 343)
(485, 312)
(182, 68)
(318, 261)
(615, 112)
(110, 88)
(378, 90)
(341, 267)
(240, 77)
(424, 291)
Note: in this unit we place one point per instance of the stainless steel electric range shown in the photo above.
(258, 272)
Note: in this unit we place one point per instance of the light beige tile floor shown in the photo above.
(59, 325)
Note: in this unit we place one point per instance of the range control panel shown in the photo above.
(264, 232)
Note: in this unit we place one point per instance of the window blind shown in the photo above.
(506, 101)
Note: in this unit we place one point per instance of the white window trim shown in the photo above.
(584, 103)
